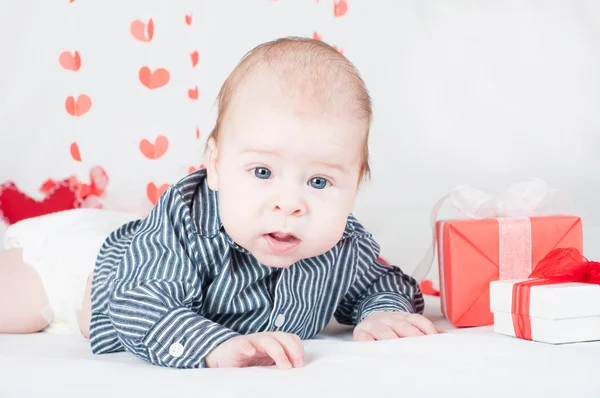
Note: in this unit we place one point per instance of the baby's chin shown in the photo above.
(283, 260)
(276, 261)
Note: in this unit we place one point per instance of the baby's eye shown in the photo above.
(262, 172)
(318, 182)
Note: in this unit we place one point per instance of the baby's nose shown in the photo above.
(290, 206)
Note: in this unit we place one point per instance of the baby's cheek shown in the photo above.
(238, 209)
(234, 206)
(330, 223)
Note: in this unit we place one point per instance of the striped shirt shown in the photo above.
(171, 287)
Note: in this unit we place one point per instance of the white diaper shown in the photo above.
(62, 247)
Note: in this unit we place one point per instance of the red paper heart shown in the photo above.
(78, 107)
(193, 93)
(153, 80)
(340, 7)
(195, 57)
(156, 150)
(70, 61)
(75, 152)
(142, 31)
(153, 192)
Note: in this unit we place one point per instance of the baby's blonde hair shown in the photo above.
(307, 65)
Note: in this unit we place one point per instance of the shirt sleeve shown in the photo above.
(377, 287)
(158, 283)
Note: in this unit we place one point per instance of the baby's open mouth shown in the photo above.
(281, 243)
(282, 237)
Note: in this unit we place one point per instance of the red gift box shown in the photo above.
(473, 253)
(500, 237)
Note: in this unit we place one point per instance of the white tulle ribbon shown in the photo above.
(512, 208)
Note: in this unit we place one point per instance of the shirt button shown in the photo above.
(279, 320)
(176, 350)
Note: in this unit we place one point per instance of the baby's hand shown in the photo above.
(260, 349)
(391, 325)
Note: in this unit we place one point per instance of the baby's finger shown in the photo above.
(383, 332)
(405, 329)
(362, 335)
(274, 349)
(245, 348)
(422, 323)
(293, 347)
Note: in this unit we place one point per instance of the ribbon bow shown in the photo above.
(527, 198)
(567, 264)
(559, 266)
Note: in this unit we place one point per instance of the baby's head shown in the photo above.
(289, 149)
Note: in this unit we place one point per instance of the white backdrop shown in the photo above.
(478, 93)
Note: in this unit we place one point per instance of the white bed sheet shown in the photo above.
(461, 363)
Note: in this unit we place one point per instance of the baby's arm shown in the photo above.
(382, 297)
(157, 285)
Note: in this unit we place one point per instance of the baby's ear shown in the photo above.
(212, 166)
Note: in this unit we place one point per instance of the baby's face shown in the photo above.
(286, 180)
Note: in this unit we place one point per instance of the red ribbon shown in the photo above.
(559, 266)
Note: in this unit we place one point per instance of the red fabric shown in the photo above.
(559, 266)
(16, 205)
(67, 194)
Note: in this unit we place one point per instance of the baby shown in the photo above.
(239, 262)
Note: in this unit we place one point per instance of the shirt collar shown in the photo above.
(350, 227)
(206, 207)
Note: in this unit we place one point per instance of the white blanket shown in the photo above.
(461, 363)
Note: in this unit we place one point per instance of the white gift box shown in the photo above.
(559, 313)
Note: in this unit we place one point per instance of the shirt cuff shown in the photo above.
(382, 302)
(182, 339)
